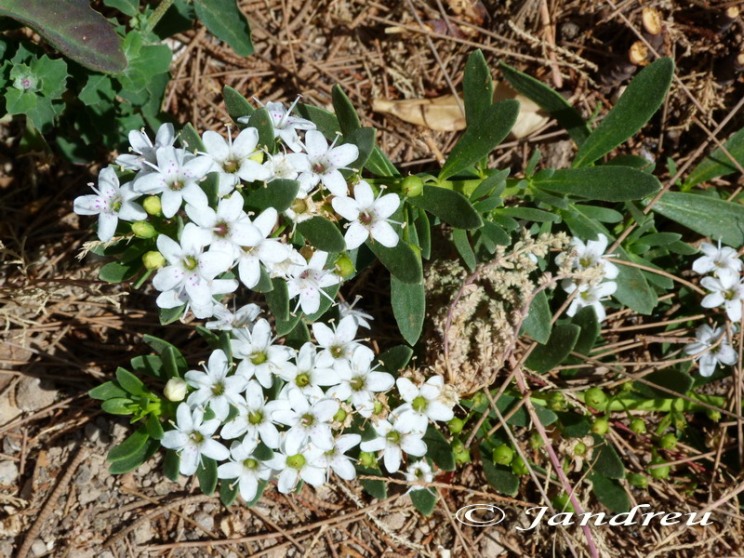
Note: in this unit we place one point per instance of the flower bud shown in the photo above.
(175, 390)
(461, 453)
(601, 426)
(519, 467)
(152, 206)
(658, 469)
(668, 441)
(503, 455)
(412, 186)
(153, 260)
(638, 425)
(344, 267)
(367, 459)
(143, 229)
(456, 425)
(638, 480)
(595, 398)
(536, 441)
(580, 449)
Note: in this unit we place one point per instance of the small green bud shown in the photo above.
(580, 449)
(601, 426)
(175, 390)
(412, 186)
(658, 469)
(152, 206)
(368, 459)
(143, 229)
(461, 453)
(713, 414)
(638, 425)
(638, 480)
(153, 260)
(557, 402)
(344, 267)
(456, 425)
(519, 467)
(668, 441)
(596, 398)
(536, 441)
(503, 455)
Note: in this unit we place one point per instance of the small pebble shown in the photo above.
(8, 473)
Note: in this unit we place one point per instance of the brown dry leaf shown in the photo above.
(443, 114)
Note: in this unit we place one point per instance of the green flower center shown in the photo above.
(259, 358)
(190, 263)
(357, 383)
(218, 389)
(230, 165)
(116, 204)
(308, 419)
(177, 185)
(419, 404)
(337, 351)
(296, 461)
(197, 437)
(250, 464)
(302, 380)
(393, 437)
(255, 417)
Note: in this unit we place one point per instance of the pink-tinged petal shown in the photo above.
(407, 389)
(315, 144)
(391, 458)
(347, 207)
(189, 460)
(88, 205)
(356, 235)
(386, 205)
(308, 180)
(171, 203)
(383, 233)
(198, 167)
(344, 469)
(198, 290)
(174, 439)
(107, 226)
(343, 155)
(215, 450)
(314, 476)
(335, 182)
(215, 145)
(230, 470)
(151, 183)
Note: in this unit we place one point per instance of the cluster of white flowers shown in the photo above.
(722, 268)
(166, 181)
(589, 259)
(321, 387)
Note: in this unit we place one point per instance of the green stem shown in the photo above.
(158, 14)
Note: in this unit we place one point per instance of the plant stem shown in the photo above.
(158, 14)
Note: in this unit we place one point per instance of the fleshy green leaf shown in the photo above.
(322, 234)
(641, 99)
(228, 491)
(278, 194)
(409, 307)
(633, 290)
(225, 21)
(550, 100)
(207, 475)
(107, 390)
(131, 383)
(346, 114)
(278, 299)
(479, 139)
(439, 450)
(118, 406)
(127, 464)
(477, 86)
(586, 319)
(719, 219)
(717, 163)
(424, 500)
(375, 488)
(395, 358)
(462, 243)
(503, 480)
(170, 315)
(261, 120)
(154, 427)
(451, 207)
(537, 323)
(190, 139)
(671, 379)
(402, 261)
(130, 446)
(610, 184)
(561, 342)
(610, 493)
(364, 139)
(171, 463)
(608, 462)
(127, 7)
(73, 28)
(115, 272)
(236, 105)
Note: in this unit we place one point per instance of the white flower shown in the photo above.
(110, 203)
(229, 226)
(727, 290)
(286, 166)
(298, 463)
(191, 270)
(176, 176)
(422, 403)
(338, 343)
(419, 473)
(244, 467)
(709, 352)
(334, 459)
(308, 374)
(307, 422)
(214, 388)
(394, 440)
(254, 417)
(590, 295)
(145, 149)
(717, 259)
(360, 317)
(591, 254)
(368, 216)
(359, 381)
(243, 317)
(308, 281)
(233, 160)
(261, 359)
(263, 250)
(325, 163)
(286, 125)
(192, 438)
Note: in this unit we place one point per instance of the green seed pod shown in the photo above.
(668, 441)
(580, 449)
(340, 416)
(461, 453)
(638, 480)
(503, 455)
(596, 398)
(344, 267)
(519, 467)
(658, 470)
(152, 206)
(601, 426)
(456, 425)
(412, 186)
(557, 402)
(638, 425)
(368, 459)
(153, 260)
(536, 441)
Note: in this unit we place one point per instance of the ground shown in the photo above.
(65, 332)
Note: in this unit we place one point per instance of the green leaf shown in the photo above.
(451, 207)
(98, 89)
(718, 163)
(127, 464)
(610, 493)
(278, 299)
(586, 319)
(237, 106)
(127, 7)
(375, 488)
(170, 315)
(171, 463)
(641, 99)
(402, 261)
(278, 194)
(115, 272)
(550, 100)
(537, 323)
(530, 214)
(608, 462)
(719, 219)
(395, 358)
(130, 382)
(503, 480)
(154, 427)
(73, 28)
(573, 425)
(346, 114)
(261, 120)
(424, 500)
(379, 164)
(228, 491)
(633, 290)
(409, 307)
(423, 231)
(673, 380)
(439, 450)
(190, 139)
(610, 184)
(324, 119)
(364, 139)
(225, 21)
(561, 342)
(479, 139)
(322, 234)
(207, 475)
(477, 86)
(160, 346)
(132, 445)
(462, 243)
(118, 406)
(107, 390)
